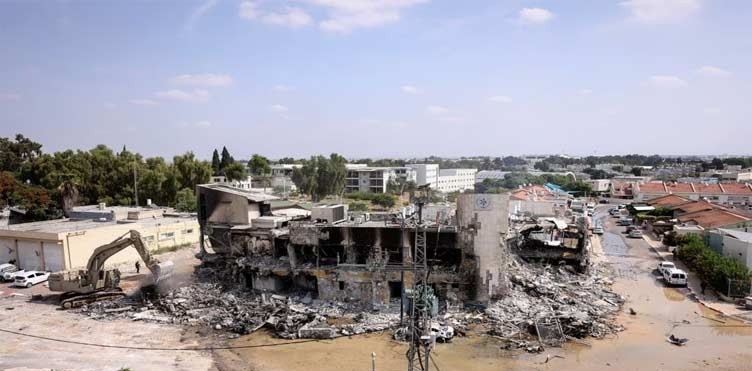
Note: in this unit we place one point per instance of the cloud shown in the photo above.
(347, 15)
(206, 80)
(437, 110)
(664, 81)
(409, 89)
(8, 97)
(196, 124)
(500, 99)
(661, 11)
(248, 10)
(199, 12)
(535, 16)
(195, 96)
(291, 17)
(711, 71)
(278, 108)
(143, 102)
(282, 88)
(585, 92)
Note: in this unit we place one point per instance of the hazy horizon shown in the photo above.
(398, 78)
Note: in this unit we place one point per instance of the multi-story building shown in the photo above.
(367, 179)
(456, 180)
(426, 174)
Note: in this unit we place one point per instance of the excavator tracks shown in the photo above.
(74, 300)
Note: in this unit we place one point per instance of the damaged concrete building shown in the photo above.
(364, 258)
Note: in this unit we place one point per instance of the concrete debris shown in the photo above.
(581, 303)
(243, 312)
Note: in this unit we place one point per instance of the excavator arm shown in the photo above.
(133, 238)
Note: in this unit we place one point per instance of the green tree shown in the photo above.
(236, 171)
(185, 201)
(216, 163)
(259, 165)
(358, 206)
(226, 159)
(68, 193)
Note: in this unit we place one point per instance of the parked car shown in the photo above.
(7, 268)
(11, 276)
(603, 201)
(635, 233)
(663, 266)
(598, 230)
(675, 277)
(30, 278)
(624, 221)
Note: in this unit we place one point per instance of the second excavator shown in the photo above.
(81, 287)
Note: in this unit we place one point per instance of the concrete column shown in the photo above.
(291, 255)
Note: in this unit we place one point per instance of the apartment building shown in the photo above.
(367, 179)
(455, 180)
(426, 174)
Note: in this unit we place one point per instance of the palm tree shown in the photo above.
(69, 193)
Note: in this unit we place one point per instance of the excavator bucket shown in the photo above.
(163, 271)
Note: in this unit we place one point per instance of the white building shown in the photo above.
(455, 180)
(599, 185)
(732, 243)
(367, 179)
(240, 184)
(426, 174)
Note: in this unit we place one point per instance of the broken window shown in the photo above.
(341, 285)
(395, 289)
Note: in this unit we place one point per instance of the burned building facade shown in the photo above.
(365, 258)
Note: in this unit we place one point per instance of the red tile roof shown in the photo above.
(713, 218)
(667, 201)
(701, 188)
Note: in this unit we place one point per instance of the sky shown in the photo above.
(379, 78)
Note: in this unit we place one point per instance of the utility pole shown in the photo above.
(135, 183)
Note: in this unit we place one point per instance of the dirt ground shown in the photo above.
(43, 318)
(715, 342)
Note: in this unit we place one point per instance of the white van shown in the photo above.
(675, 277)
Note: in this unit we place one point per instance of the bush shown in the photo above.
(384, 199)
(358, 206)
(709, 265)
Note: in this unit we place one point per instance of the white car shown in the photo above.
(664, 266)
(598, 230)
(30, 278)
(675, 277)
(11, 276)
(7, 268)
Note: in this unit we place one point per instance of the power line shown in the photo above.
(196, 349)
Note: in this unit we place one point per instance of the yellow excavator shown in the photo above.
(95, 284)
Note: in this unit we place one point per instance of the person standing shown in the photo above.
(138, 266)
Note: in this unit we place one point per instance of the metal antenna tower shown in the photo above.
(422, 302)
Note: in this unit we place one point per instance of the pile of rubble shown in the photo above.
(572, 305)
(243, 312)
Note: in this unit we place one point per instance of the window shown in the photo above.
(188, 231)
(166, 236)
(148, 238)
(341, 285)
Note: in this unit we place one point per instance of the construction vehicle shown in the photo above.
(81, 287)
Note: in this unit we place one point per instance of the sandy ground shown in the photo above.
(18, 313)
(715, 343)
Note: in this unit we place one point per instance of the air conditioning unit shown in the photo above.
(329, 213)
